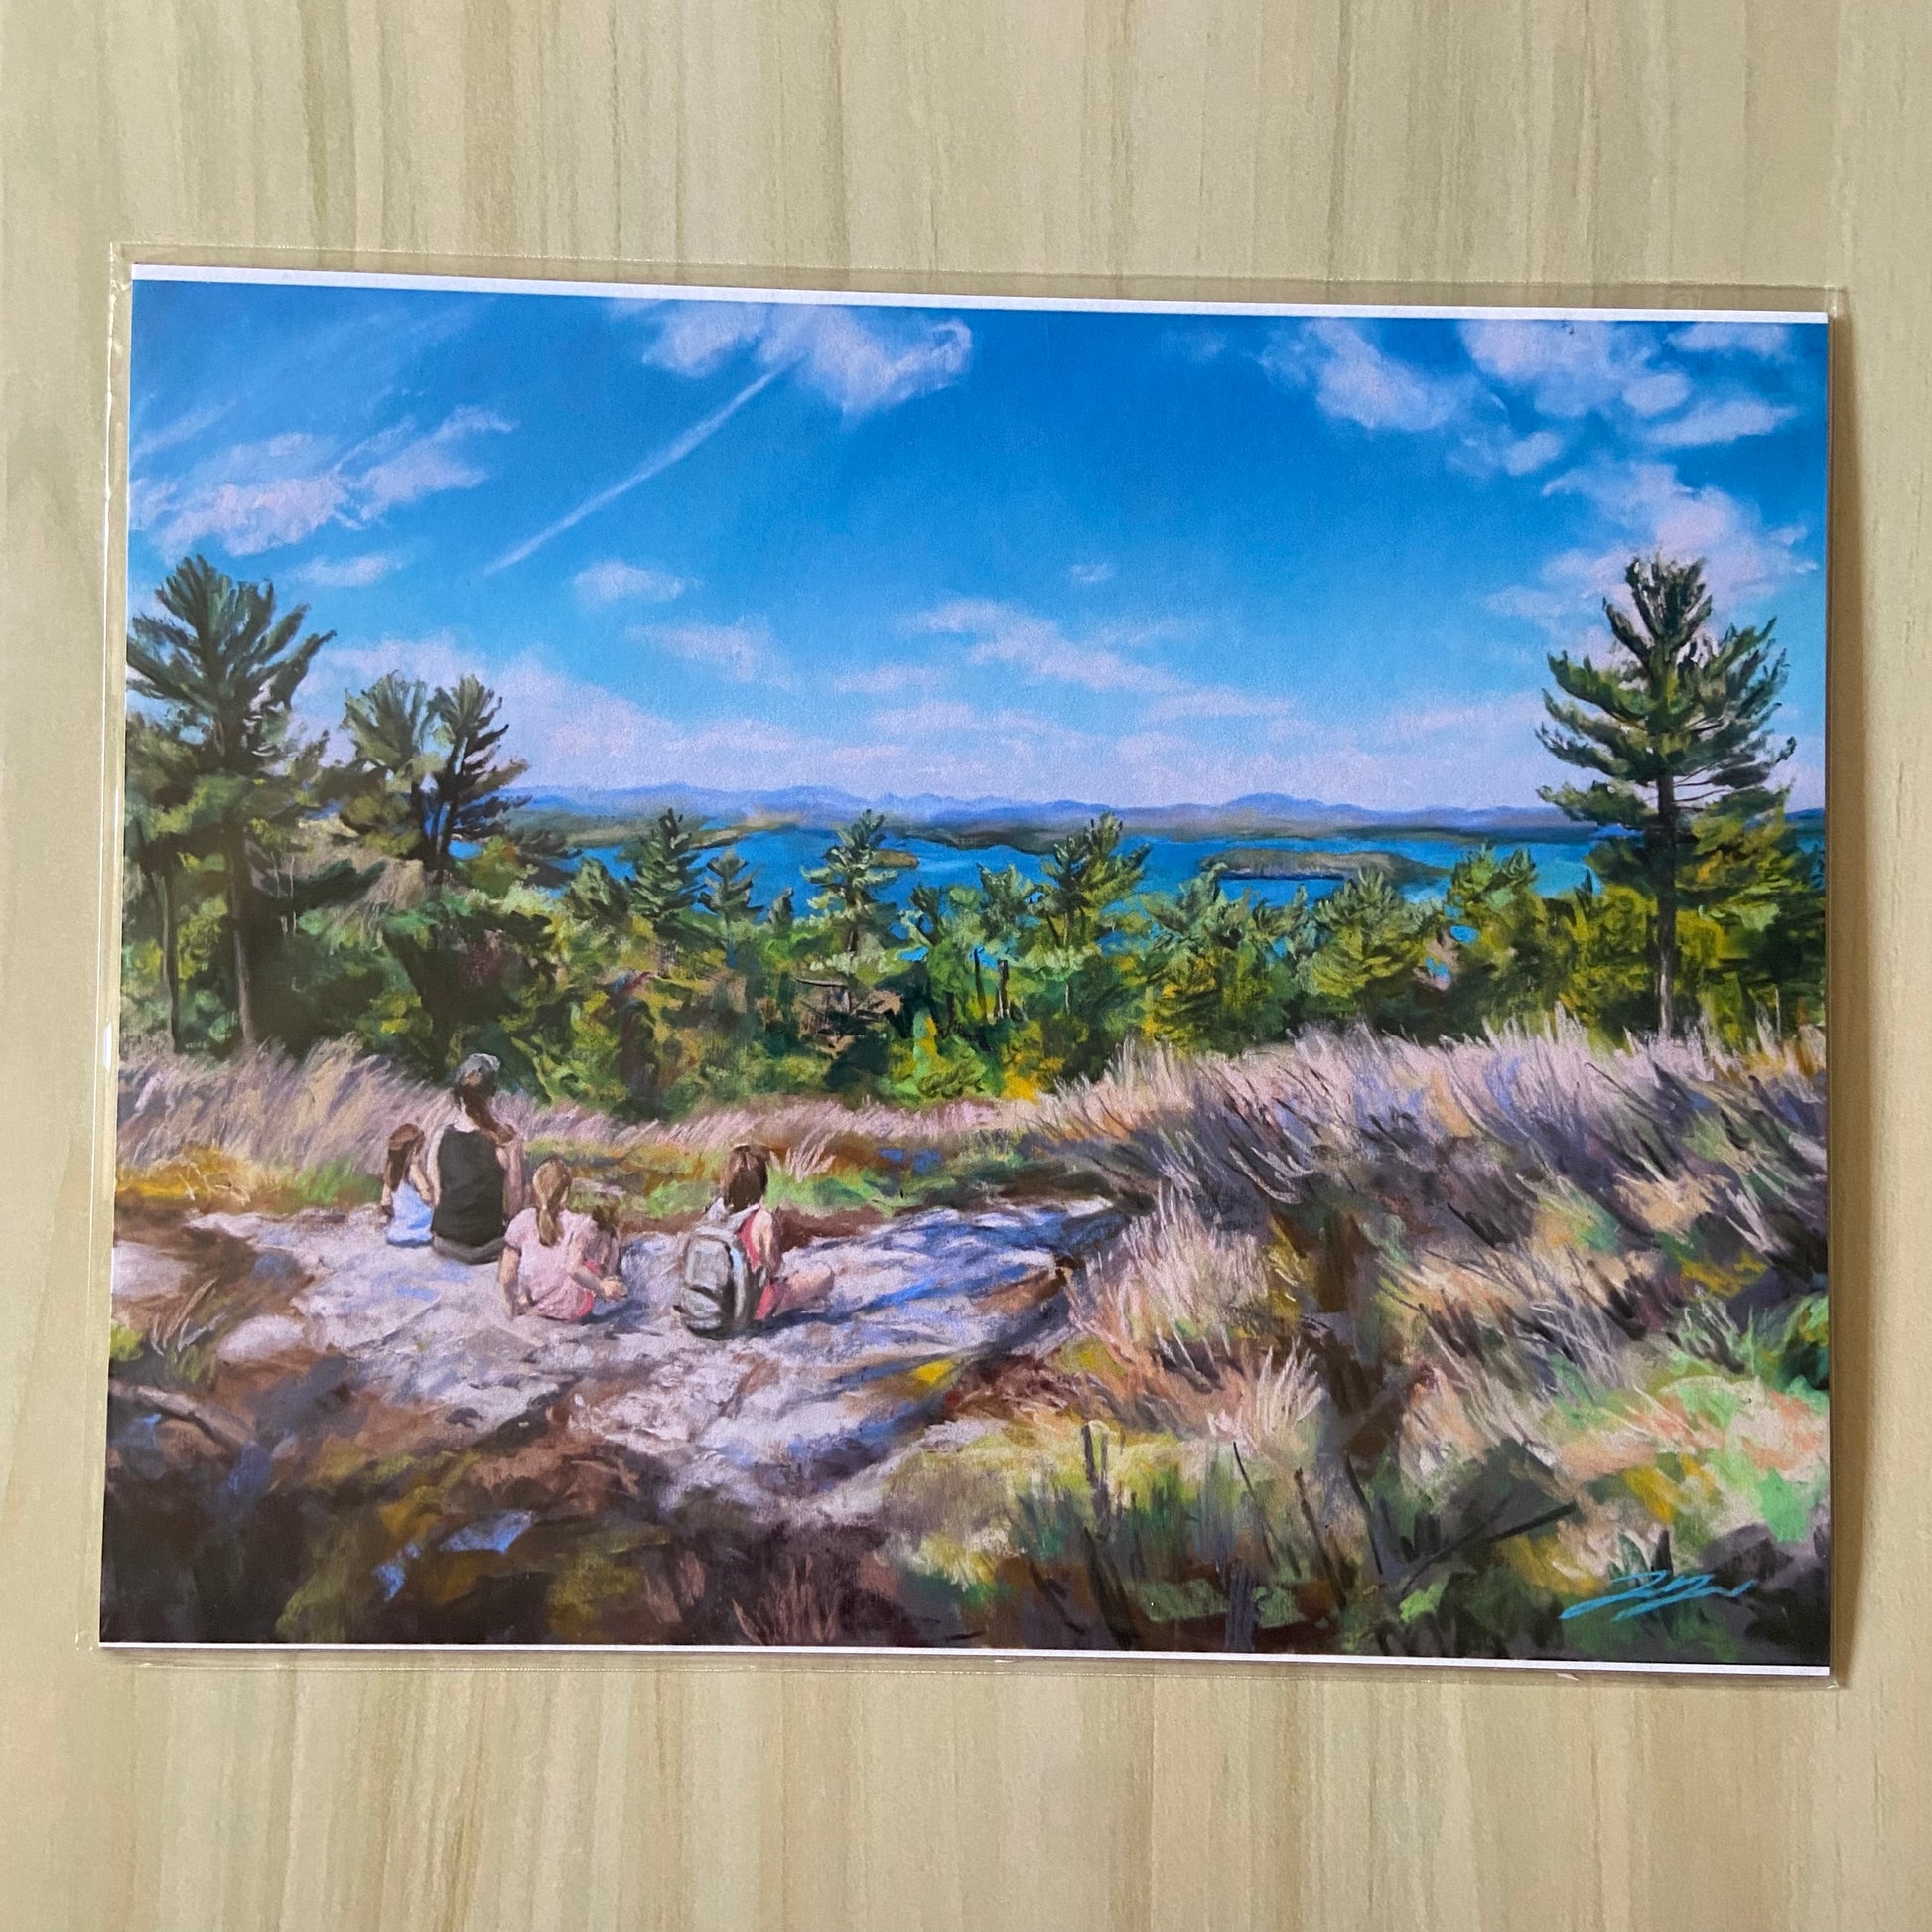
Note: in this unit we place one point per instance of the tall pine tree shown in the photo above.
(1675, 725)
(225, 666)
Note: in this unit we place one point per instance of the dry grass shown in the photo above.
(336, 1109)
(1422, 1297)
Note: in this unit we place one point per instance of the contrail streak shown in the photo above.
(675, 451)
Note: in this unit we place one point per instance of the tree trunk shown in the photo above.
(1666, 885)
(170, 951)
(239, 886)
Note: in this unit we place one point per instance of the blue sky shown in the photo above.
(1125, 556)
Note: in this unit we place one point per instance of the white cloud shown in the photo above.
(349, 573)
(954, 718)
(423, 465)
(1570, 369)
(741, 652)
(1354, 381)
(1037, 648)
(575, 733)
(860, 359)
(1647, 507)
(1770, 340)
(182, 429)
(1087, 574)
(695, 337)
(257, 496)
(1043, 653)
(613, 581)
(1721, 421)
(898, 674)
(1490, 447)
(1655, 510)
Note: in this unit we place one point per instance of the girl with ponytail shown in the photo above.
(556, 1263)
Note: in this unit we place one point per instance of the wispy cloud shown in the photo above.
(1655, 510)
(1647, 507)
(675, 451)
(1041, 652)
(891, 675)
(1722, 420)
(257, 496)
(1088, 575)
(861, 360)
(616, 582)
(1770, 340)
(956, 718)
(1356, 382)
(1037, 648)
(1491, 448)
(743, 652)
(1570, 368)
(408, 467)
(349, 573)
(179, 429)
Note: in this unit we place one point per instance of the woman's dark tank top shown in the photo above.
(469, 1189)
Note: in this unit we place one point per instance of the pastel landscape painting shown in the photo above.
(945, 974)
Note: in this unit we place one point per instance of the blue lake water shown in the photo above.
(778, 859)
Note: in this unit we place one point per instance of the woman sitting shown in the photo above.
(406, 1191)
(475, 1167)
(556, 1263)
(781, 1290)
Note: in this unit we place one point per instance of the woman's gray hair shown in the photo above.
(478, 1070)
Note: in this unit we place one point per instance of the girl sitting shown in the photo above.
(781, 1290)
(556, 1263)
(406, 1194)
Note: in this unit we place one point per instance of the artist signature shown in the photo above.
(1654, 1590)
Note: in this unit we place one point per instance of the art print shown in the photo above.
(951, 974)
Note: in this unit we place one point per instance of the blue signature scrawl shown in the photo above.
(1655, 1590)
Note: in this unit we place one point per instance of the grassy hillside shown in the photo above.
(1406, 1349)
(1420, 1350)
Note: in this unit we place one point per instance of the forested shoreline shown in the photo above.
(395, 896)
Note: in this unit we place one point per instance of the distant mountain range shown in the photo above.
(975, 821)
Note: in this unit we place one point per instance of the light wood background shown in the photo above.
(1469, 144)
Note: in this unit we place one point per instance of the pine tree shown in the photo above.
(728, 889)
(226, 667)
(669, 879)
(858, 869)
(159, 832)
(1007, 901)
(387, 790)
(471, 794)
(728, 899)
(1675, 726)
(1088, 874)
(424, 777)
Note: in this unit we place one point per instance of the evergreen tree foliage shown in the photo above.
(1675, 728)
(225, 667)
(858, 870)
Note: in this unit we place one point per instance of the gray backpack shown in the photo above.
(717, 1286)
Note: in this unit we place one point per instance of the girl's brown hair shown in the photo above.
(474, 1097)
(550, 1188)
(745, 1175)
(403, 1144)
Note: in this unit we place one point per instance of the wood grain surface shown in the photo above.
(1481, 146)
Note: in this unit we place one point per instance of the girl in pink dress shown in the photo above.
(556, 1263)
